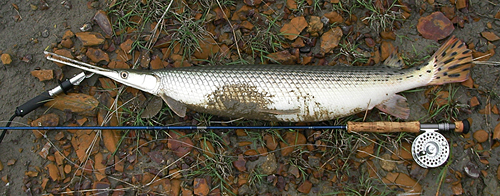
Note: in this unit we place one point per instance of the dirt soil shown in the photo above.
(26, 32)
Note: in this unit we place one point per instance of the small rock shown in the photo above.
(1, 166)
(386, 49)
(179, 144)
(481, 136)
(11, 162)
(97, 55)
(305, 187)
(75, 102)
(330, 39)
(299, 42)
(315, 26)
(99, 167)
(448, 11)
(240, 163)
(490, 36)
(294, 171)
(53, 172)
(101, 188)
(5, 179)
(111, 139)
(387, 163)
(293, 140)
(67, 169)
(474, 102)
(68, 34)
(388, 35)
(33, 7)
(271, 142)
(283, 57)
(50, 119)
(6, 59)
(65, 53)
(67, 43)
(457, 188)
(45, 150)
(460, 4)
(269, 165)
(43, 75)
(292, 29)
(291, 4)
(334, 17)
(305, 49)
(498, 172)
(86, 27)
(127, 46)
(201, 186)
(247, 25)
(496, 132)
(117, 64)
(207, 148)
(365, 151)
(471, 170)
(435, 26)
(102, 19)
(208, 47)
(45, 33)
(408, 184)
(90, 38)
(370, 42)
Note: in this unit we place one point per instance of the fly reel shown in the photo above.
(430, 149)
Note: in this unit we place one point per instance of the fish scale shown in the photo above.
(292, 92)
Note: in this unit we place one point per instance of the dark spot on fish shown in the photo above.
(409, 76)
(462, 58)
(418, 68)
(457, 65)
(449, 60)
(420, 75)
(428, 71)
(465, 52)
(453, 53)
(466, 69)
(454, 44)
(456, 75)
(438, 77)
(439, 69)
(443, 54)
(445, 73)
(461, 45)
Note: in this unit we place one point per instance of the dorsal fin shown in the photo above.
(176, 106)
(394, 60)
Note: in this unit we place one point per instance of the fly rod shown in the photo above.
(375, 127)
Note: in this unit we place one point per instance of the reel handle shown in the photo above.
(411, 127)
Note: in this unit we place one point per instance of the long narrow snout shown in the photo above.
(142, 80)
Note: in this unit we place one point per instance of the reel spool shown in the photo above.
(430, 149)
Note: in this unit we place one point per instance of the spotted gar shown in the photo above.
(292, 92)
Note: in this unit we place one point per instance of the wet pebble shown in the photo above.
(45, 33)
(480, 136)
(471, 170)
(305, 49)
(6, 59)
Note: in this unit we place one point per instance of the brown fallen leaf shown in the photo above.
(201, 186)
(75, 102)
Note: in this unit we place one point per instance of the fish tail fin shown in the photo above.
(451, 63)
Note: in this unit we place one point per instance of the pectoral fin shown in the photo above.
(176, 106)
(396, 106)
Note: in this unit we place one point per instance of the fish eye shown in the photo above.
(124, 74)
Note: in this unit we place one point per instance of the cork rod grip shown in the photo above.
(384, 127)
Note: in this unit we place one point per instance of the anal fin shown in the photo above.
(396, 106)
(176, 106)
